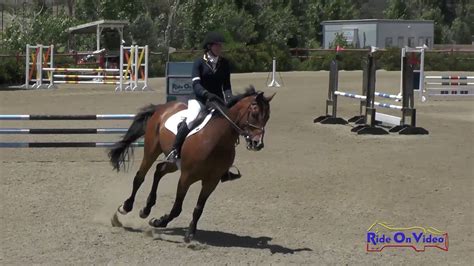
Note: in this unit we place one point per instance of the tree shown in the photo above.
(341, 41)
(143, 31)
(321, 10)
(71, 4)
(35, 25)
(89, 10)
(276, 23)
(461, 32)
(195, 18)
(172, 13)
(397, 9)
(453, 20)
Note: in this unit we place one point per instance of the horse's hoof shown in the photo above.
(144, 213)
(158, 222)
(188, 237)
(115, 221)
(121, 210)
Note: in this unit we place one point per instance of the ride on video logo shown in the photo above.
(381, 235)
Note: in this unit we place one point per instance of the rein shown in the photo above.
(240, 131)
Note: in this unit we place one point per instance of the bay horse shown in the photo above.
(205, 156)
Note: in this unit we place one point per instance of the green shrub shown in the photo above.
(12, 71)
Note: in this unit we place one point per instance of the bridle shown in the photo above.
(238, 129)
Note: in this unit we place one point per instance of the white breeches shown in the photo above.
(194, 108)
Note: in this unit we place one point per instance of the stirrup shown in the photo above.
(172, 156)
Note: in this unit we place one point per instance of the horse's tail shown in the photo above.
(122, 150)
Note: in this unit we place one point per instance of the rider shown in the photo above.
(211, 82)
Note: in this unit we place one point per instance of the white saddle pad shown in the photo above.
(172, 123)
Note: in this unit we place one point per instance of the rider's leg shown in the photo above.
(194, 107)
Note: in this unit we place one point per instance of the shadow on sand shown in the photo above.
(223, 239)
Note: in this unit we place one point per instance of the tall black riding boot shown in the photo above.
(175, 153)
(229, 176)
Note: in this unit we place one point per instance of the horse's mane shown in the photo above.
(236, 98)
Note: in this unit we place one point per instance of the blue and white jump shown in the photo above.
(362, 97)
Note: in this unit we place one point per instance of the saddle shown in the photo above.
(174, 121)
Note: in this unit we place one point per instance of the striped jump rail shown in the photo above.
(362, 97)
(449, 77)
(378, 94)
(69, 117)
(448, 92)
(388, 96)
(86, 82)
(40, 131)
(388, 106)
(65, 69)
(63, 144)
(34, 80)
(84, 77)
(444, 92)
(451, 83)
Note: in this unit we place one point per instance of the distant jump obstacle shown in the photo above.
(64, 131)
(132, 73)
(439, 87)
(451, 87)
(368, 117)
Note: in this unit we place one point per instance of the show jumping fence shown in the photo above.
(132, 73)
(63, 131)
(367, 120)
(453, 87)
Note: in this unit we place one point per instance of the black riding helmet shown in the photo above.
(211, 38)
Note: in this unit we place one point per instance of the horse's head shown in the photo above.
(253, 116)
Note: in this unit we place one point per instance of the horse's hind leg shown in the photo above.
(137, 181)
(162, 169)
(183, 186)
(147, 162)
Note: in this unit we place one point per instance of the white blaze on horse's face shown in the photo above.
(255, 139)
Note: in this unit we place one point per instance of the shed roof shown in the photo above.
(91, 27)
(375, 21)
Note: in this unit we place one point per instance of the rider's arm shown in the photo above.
(199, 90)
(227, 87)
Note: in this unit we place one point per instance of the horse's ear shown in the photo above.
(268, 99)
(260, 98)
(250, 89)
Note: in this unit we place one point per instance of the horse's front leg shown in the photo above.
(183, 186)
(208, 187)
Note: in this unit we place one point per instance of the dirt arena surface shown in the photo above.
(307, 198)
